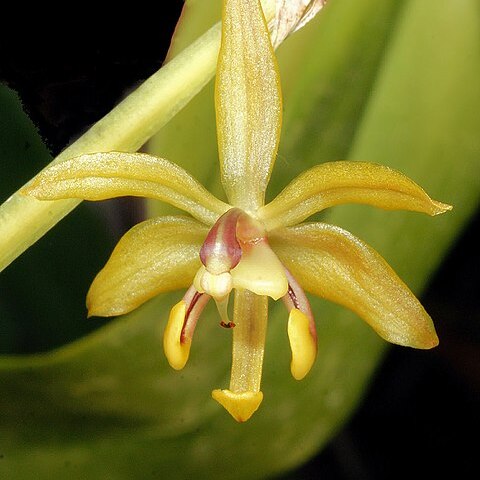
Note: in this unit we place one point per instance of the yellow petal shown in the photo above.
(333, 264)
(176, 351)
(335, 183)
(260, 271)
(302, 344)
(241, 406)
(155, 256)
(248, 104)
(98, 176)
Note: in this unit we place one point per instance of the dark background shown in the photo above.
(420, 414)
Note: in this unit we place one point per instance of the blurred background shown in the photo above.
(420, 413)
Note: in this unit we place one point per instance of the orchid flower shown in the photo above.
(257, 250)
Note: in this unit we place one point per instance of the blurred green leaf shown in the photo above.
(378, 80)
(42, 300)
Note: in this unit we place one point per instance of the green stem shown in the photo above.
(23, 220)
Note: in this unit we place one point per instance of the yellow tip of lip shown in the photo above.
(240, 405)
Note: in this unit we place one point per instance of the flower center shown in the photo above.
(236, 254)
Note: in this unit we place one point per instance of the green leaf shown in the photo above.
(29, 320)
(378, 80)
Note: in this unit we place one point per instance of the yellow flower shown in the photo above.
(257, 250)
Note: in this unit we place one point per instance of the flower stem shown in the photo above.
(127, 127)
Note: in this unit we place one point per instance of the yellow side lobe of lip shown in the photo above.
(303, 345)
(176, 351)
